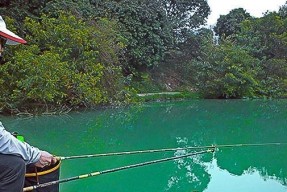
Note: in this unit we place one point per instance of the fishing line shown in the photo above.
(167, 149)
(114, 170)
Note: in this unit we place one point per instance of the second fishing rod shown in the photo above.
(170, 149)
(97, 173)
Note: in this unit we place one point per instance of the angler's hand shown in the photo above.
(46, 159)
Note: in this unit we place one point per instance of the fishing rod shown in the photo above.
(115, 170)
(167, 149)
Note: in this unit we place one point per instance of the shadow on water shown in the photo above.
(168, 125)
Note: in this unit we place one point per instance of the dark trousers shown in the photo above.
(12, 173)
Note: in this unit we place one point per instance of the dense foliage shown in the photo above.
(228, 25)
(266, 39)
(248, 61)
(150, 27)
(69, 62)
(96, 52)
(227, 71)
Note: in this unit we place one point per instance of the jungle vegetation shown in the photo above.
(103, 52)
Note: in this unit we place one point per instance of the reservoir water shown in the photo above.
(168, 125)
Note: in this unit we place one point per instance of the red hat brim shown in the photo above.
(13, 39)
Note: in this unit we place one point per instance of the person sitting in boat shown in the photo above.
(15, 154)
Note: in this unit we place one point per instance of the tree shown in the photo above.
(68, 62)
(227, 71)
(283, 11)
(192, 48)
(150, 27)
(265, 38)
(20, 9)
(228, 25)
(273, 77)
(186, 15)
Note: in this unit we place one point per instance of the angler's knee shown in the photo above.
(12, 173)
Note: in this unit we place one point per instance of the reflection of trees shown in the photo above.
(198, 123)
(121, 117)
(105, 126)
(269, 161)
(190, 173)
(166, 125)
(237, 121)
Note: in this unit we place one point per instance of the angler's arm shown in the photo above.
(11, 145)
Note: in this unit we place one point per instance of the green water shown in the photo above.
(168, 125)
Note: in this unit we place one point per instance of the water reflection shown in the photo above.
(168, 125)
(237, 122)
(250, 180)
(191, 170)
(248, 168)
(267, 161)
